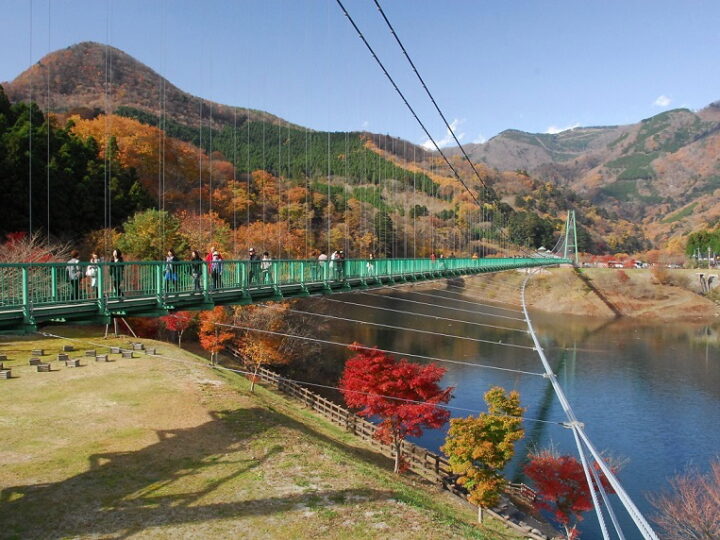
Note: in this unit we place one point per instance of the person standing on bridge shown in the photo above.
(266, 266)
(117, 272)
(322, 265)
(92, 272)
(171, 275)
(74, 274)
(216, 269)
(196, 269)
(254, 266)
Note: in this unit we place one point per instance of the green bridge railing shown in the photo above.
(32, 294)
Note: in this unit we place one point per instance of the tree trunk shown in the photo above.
(480, 514)
(254, 377)
(398, 448)
(180, 339)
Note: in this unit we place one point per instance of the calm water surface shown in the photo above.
(647, 394)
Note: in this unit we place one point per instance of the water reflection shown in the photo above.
(649, 393)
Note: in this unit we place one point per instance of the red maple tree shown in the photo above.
(179, 322)
(562, 487)
(213, 334)
(405, 396)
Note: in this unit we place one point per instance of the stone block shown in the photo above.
(3, 357)
(72, 362)
(62, 357)
(128, 354)
(150, 351)
(101, 358)
(43, 367)
(38, 352)
(5, 374)
(68, 348)
(114, 350)
(138, 346)
(91, 353)
(35, 361)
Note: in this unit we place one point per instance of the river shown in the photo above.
(648, 395)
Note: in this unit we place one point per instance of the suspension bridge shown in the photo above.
(33, 295)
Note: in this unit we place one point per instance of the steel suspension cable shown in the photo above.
(468, 301)
(577, 429)
(412, 110)
(403, 328)
(448, 307)
(404, 99)
(30, 111)
(427, 91)
(341, 344)
(398, 299)
(308, 383)
(435, 317)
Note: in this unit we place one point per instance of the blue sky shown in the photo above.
(492, 65)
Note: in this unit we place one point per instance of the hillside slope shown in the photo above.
(165, 447)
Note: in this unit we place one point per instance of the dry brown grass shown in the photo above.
(164, 449)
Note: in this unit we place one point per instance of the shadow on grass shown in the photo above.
(171, 482)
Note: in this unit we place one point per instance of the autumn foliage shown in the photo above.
(214, 336)
(403, 395)
(179, 322)
(257, 348)
(479, 447)
(562, 487)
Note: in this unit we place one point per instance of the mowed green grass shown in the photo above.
(166, 447)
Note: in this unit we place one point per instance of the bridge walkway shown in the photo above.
(35, 294)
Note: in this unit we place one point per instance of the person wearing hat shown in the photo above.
(216, 269)
(254, 271)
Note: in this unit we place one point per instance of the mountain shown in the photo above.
(77, 83)
(103, 85)
(662, 171)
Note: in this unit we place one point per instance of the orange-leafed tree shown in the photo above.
(562, 487)
(478, 447)
(215, 333)
(259, 348)
(282, 241)
(406, 397)
(179, 322)
(201, 231)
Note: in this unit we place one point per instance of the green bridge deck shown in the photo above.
(32, 295)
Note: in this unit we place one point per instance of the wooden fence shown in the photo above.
(421, 461)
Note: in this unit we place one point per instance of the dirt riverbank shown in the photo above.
(597, 292)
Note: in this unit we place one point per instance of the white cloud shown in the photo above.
(554, 130)
(480, 139)
(662, 101)
(448, 138)
(365, 124)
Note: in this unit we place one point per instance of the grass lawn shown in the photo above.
(167, 448)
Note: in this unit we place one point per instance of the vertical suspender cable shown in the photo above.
(106, 172)
(47, 121)
(235, 183)
(30, 110)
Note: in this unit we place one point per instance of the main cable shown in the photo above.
(432, 99)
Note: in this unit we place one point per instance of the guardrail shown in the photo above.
(40, 292)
